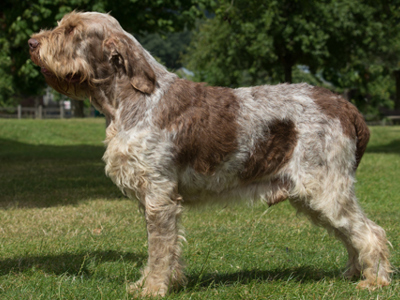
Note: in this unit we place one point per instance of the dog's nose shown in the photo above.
(33, 43)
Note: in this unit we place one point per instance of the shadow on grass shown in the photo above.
(14, 151)
(72, 264)
(46, 175)
(299, 274)
(392, 147)
(86, 264)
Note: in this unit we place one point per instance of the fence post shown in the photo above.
(61, 109)
(40, 110)
(19, 110)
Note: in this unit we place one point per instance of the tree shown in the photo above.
(260, 39)
(168, 48)
(20, 19)
(255, 41)
(388, 48)
(364, 52)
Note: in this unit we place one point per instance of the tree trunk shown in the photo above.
(78, 109)
(288, 73)
(287, 66)
(397, 98)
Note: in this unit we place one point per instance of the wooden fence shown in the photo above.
(61, 112)
(41, 112)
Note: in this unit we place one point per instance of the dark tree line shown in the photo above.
(350, 46)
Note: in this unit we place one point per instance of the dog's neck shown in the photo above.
(101, 101)
(126, 107)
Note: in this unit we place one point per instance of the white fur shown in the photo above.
(318, 179)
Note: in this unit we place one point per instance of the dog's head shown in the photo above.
(88, 49)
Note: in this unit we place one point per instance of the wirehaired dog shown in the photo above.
(171, 141)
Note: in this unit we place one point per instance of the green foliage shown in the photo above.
(344, 43)
(261, 38)
(348, 45)
(20, 19)
(168, 48)
(5, 79)
(66, 231)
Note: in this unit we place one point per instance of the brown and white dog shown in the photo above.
(172, 141)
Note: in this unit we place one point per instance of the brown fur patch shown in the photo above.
(272, 151)
(353, 124)
(133, 103)
(204, 119)
(124, 52)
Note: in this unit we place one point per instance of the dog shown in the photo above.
(172, 141)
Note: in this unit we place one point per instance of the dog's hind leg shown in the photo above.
(164, 268)
(334, 206)
(353, 268)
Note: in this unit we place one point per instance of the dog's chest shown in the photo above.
(136, 157)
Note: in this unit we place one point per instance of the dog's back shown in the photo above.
(254, 138)
(172, 141)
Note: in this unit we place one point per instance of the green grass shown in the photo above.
(66, 232)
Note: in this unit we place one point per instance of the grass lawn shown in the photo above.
(66, 232)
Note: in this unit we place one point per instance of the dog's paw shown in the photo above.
(372, 284)
(142, 288)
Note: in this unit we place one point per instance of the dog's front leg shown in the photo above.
(164, 269)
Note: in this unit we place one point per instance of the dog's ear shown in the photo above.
(123, 52)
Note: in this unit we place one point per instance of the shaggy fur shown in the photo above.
(171, 141)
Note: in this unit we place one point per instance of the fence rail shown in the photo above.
(61, 112)
(41, 112)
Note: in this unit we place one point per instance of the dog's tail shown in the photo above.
(362, 133)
